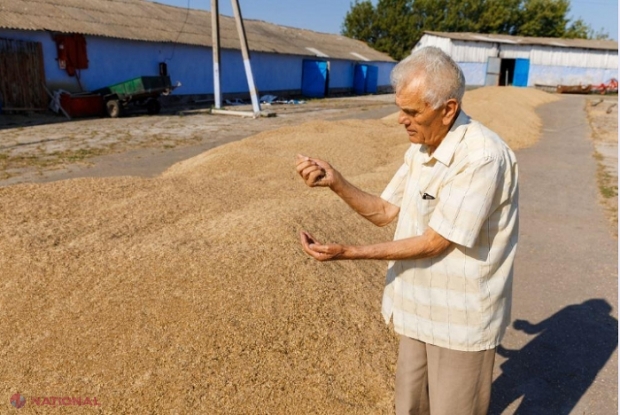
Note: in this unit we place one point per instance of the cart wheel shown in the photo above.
(114, 108)
(153, 106)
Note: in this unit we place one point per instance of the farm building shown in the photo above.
(488, 59)
(84, 45)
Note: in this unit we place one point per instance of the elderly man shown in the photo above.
(448, 285)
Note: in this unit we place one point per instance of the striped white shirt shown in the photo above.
(467, 192)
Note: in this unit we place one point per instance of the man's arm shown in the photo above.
(427, 245)
(316, 172)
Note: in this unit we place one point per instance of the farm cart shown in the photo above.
(143, 92)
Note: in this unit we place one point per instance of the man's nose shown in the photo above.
(402, 118)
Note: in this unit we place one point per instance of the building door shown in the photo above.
(22, 75)
(521, 72)
(372, 79)
(359, 78)
(507, 72)
(314, 78)
(492, 77)
(365, 79)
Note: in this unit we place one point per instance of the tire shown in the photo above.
(114, 108)
(153, 106)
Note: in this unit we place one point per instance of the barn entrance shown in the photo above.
(21, 76)
(507, 72)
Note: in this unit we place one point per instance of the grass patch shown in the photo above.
(608, 191)
(73, 156)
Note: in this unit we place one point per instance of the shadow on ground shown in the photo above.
(556, 368)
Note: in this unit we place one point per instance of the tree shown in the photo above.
(500, 17)
(543, 18)
(360, 22)
(578, 30)
(395, 26)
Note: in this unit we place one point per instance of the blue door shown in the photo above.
(359, 78)
(372, 79)
(314, 78)
(522, 70)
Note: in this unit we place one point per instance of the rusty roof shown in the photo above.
(524, 40)
(153, 22)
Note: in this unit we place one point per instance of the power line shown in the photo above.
(174, 45)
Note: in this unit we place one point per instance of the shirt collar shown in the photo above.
(447, 147)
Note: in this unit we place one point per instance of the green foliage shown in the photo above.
(395, 26)
(578, 30)
(360, 22)
(544, 18)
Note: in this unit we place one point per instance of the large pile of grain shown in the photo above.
(189, 294)
(507, 111)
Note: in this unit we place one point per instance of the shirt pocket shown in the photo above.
(427, 202)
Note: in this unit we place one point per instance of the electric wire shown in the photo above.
(174, 45)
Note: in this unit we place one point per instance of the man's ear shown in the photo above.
(451, 110)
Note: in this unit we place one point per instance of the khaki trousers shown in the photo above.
(432, 380)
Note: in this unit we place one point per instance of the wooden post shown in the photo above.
(215, 38)
(246, 57)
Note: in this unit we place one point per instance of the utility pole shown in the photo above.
(246, 57)
(215, 38)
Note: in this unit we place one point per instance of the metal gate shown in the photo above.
(492, 78)
(21, 75)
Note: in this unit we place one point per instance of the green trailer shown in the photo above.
(143, 92)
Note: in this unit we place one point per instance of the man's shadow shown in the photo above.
(555, 369)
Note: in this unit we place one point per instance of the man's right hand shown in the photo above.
(315, 172)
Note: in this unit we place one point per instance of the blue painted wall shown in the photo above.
(116, 60)
(385, 69)
(341, 73)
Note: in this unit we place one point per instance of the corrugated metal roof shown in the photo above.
(523, 40)
(154, 22)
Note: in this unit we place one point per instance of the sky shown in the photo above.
(327, 15)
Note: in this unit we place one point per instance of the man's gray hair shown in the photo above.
(442, 77)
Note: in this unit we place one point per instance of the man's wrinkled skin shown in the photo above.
(424, 125)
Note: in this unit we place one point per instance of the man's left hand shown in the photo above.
(319, 251)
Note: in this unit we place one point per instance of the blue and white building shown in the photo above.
(89, 44)
(488, 59)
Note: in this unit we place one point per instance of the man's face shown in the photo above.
(424, 124)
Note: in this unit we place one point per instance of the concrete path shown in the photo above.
(560, 355)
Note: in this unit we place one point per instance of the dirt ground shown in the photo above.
(187, 292)
(603, 118)
(40, 148)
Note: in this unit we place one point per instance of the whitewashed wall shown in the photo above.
(475, 72)
(580, 58)
(515, 51)
(460, 51)
(566, 75)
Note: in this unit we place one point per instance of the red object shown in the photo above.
(82, 105)
(71, 52)
(610, 87)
